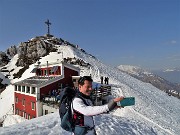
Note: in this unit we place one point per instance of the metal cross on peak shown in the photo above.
(48, 23)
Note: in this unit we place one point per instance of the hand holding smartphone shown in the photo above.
(127, 101)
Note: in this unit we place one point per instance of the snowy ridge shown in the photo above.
(155, 113)
(129, 69)
(135, 70)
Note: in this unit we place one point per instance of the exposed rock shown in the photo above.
(41, 48)
(3, 59)
(21, 71)
(12, 51)
(29, 52)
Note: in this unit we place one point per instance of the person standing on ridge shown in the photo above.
(107, 80)
(101, 79)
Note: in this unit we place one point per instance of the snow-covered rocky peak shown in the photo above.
(135, 70)
(172, 70)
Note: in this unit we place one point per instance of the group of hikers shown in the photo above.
(105, 79)
(78, 104)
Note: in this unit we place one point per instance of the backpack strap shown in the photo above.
(79, 123)
(78, 118)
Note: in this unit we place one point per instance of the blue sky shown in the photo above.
(143, 33)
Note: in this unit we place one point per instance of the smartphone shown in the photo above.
(127, 101)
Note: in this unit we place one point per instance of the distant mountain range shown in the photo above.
(172, 75)
(152, 78)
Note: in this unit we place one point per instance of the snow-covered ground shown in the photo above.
(155, 113)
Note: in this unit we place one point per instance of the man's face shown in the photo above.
(86, 89)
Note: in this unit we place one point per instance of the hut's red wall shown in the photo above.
(48, 88)
(68, 73)
(27, 107)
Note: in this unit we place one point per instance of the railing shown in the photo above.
(50, 101)
(101, 92)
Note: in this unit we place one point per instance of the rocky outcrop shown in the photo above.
(29, 52)
(12, 51)
(3, 59)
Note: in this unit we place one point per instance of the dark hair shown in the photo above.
(82, 79)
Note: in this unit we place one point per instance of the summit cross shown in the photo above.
(48, 23)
